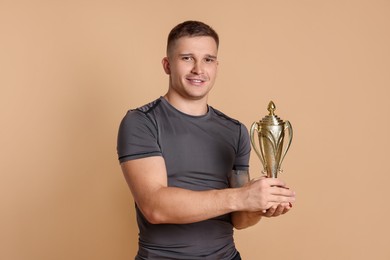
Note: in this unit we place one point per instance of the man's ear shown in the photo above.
(166, 65)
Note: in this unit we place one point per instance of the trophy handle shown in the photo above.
(287, 128)
(255, 128)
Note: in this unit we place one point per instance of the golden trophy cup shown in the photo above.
(272, 134)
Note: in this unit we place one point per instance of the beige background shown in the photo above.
(69, 70)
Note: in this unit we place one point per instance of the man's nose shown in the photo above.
(197, 68)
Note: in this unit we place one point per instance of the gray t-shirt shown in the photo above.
(199, 153)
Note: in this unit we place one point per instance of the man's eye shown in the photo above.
(186, 58)
(209, 60)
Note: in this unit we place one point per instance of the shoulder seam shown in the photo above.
(149, 107)
(219, 113)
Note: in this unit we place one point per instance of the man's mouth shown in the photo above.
(196, 80)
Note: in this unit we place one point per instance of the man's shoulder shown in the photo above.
(143, 111)
(141, 114)
(149, 107)
(223, 116)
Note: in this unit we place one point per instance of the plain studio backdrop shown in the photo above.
(69, 71)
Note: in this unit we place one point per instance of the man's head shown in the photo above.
(190, 29)
(191, 61)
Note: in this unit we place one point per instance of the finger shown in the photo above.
(271, 211)
(287, 209)
(258, 179)
(281, 191)
(279, 210)
(281, 199)
(275, 182)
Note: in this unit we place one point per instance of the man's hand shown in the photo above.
(267, 194)
(277, 210)
(266, 197)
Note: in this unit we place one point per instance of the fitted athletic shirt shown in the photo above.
(199, 153)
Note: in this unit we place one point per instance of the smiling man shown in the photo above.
(187, 163)
(192, 65)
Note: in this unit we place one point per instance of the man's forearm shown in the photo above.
(181, 206)
(244, 219)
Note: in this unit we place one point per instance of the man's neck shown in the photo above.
(187, 106)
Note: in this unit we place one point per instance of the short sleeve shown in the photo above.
(137, 137)
(244, 149)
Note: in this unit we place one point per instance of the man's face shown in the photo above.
(192, 66)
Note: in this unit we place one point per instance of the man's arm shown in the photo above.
(147, 179)
(244, 219)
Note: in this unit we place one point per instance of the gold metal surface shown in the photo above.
(271, 132)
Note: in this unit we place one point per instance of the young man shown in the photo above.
(186, 163)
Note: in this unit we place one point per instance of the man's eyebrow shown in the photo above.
(190, 54)
(211, 56)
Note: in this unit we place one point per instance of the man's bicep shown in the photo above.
(145, 176)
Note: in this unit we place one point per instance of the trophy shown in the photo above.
(272, 137)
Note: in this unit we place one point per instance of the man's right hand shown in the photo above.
(268, 194)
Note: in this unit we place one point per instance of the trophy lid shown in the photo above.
(271, 118)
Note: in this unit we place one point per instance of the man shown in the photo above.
(186, 163)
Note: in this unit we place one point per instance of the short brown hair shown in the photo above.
(191, 29)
